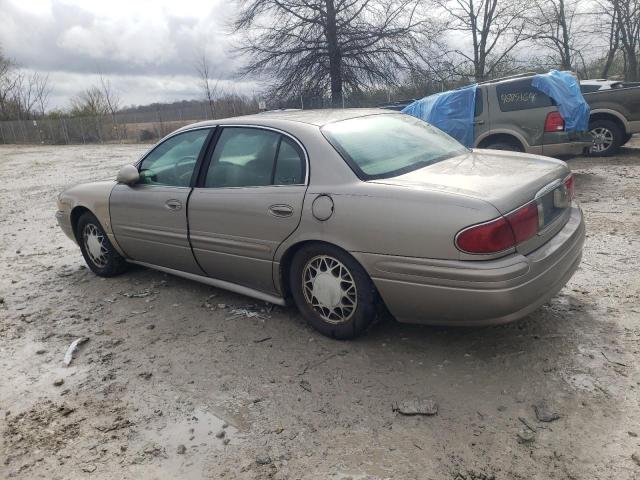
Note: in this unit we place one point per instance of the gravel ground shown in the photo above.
(176, 381)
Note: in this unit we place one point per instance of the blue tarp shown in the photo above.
(452, 112)
(565, 91)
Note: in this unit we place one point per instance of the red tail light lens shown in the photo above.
(524, 222)
(554, 122)
(569, 183)
(502, 233)
(490, 237)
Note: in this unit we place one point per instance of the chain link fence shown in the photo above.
(125, 127)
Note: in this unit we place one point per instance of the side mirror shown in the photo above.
(128, 175)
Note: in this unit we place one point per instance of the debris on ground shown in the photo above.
(416, 407)
(247, 312)
(58, 382)
(305, 385)
(145, 375)
(260, 340)
(142, 294)
(263, 459)
(526, 436)
(636, 458)
(181, 449)
(544, 413)
(68, 356)
(220, 434)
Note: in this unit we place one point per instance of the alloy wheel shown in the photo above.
(329, 289)
(602, 139)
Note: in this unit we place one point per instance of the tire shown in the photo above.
(607, 138)
(318, 302)
(97, 250)
(626, 139)
(511, 147)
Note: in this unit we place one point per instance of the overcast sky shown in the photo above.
(147, 48)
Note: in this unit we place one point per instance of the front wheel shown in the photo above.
(332, 291)
(97, 250)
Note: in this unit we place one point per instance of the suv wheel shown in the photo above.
(607, 138)
(511, 147)
(332, 291)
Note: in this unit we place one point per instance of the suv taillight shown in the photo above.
(502, 233)
(554, 122)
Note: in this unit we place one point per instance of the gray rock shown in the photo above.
(636, 458)
(58, 382)
(544, 413)
(526, 436)
(416, 407)
(263, 459)
(181, 449)
(220, 434)
(89, 468)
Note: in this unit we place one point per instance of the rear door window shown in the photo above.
(521, 95)
(479, 103)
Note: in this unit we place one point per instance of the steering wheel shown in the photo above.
(184, 177)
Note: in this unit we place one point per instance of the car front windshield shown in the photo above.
(387, 145)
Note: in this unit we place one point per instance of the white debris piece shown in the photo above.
(68, 356)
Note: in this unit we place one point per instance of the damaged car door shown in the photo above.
(248, 200)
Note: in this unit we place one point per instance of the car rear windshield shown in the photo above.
(382, 146)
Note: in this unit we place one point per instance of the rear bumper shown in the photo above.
(467, 293)
(561, 149)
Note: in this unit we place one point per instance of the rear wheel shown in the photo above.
(332, 291)
(607, 137)
(97, 250)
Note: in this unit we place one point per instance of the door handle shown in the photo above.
(479, 122)
(281, 210)
(173, 204)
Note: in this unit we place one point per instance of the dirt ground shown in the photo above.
(174, 382)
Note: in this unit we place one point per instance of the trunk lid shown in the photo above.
(507, 180)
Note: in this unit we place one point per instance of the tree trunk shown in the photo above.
(335, 56)
(632, 67)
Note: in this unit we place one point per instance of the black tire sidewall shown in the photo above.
(115, 263)
(367, 297)
(507, 147)
(615, 131)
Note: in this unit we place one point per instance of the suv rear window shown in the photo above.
(521, 95)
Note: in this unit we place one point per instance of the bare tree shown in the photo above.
(42, 92)
(90, 102)
(557, 26)
(209, 88)
(111, 101)
(627, 15)
(496, 27)
(320, 46)
(614, 42)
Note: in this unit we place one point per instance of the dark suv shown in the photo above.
(510, 114)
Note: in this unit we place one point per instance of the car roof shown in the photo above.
(311, 117)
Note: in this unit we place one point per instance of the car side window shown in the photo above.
(172, 162)
(521, 95)
(254, 157)
(290, 166)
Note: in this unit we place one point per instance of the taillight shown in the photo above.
(554, 122)
(524, 221)
(569, 183)
(502, 233)
(490, 237)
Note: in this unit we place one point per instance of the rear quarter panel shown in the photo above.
(623, 101)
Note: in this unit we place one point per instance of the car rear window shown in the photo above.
(521, 95)
(382, 146)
